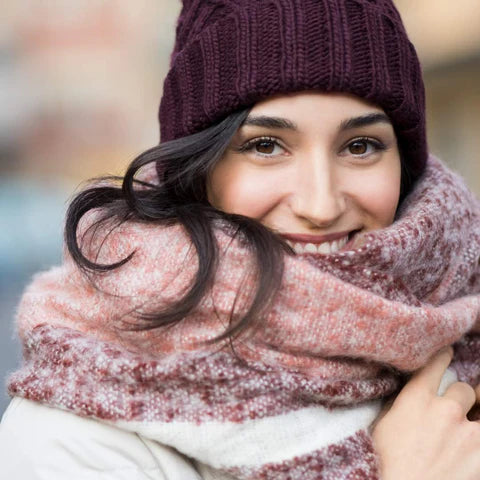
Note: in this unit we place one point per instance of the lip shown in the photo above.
(351, 242)
(316, 239)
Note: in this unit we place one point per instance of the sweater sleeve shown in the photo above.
(42, 443)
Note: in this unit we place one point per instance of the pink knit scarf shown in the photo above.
(299, 396)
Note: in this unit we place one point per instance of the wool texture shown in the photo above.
(231, 54)
(298, 397)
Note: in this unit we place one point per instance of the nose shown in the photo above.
(318, 196)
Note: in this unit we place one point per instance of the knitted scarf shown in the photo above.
(295, 399)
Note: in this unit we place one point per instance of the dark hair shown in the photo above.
(180, 196)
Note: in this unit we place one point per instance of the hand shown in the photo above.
(424, 436)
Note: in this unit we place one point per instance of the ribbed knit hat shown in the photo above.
(229, 54)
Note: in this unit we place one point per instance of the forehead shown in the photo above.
(314, 99)
(306, 110)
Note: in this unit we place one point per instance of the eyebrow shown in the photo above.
(286, 124)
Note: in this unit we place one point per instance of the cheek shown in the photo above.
(241, 190)
(378, 193)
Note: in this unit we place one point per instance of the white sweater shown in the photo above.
(42, 443)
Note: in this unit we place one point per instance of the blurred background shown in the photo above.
(80, 84)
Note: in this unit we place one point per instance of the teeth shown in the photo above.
(323, 248)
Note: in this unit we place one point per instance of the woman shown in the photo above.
(244, 308)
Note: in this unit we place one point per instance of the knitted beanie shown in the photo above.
(229, 54)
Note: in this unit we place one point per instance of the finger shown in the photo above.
(430, 375)
(463, 394)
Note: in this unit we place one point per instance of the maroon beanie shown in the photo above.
(229, 54)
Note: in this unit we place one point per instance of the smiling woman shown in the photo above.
(313, 167)
(246, 299)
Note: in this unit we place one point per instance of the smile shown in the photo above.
(324, 248)
(320, 245)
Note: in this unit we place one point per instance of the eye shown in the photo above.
(263, 147)
(359, 146)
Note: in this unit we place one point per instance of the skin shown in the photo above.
(424, 436)
(317, 180)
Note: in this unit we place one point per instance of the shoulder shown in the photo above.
(39, 442)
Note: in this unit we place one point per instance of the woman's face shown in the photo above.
(315, 167)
